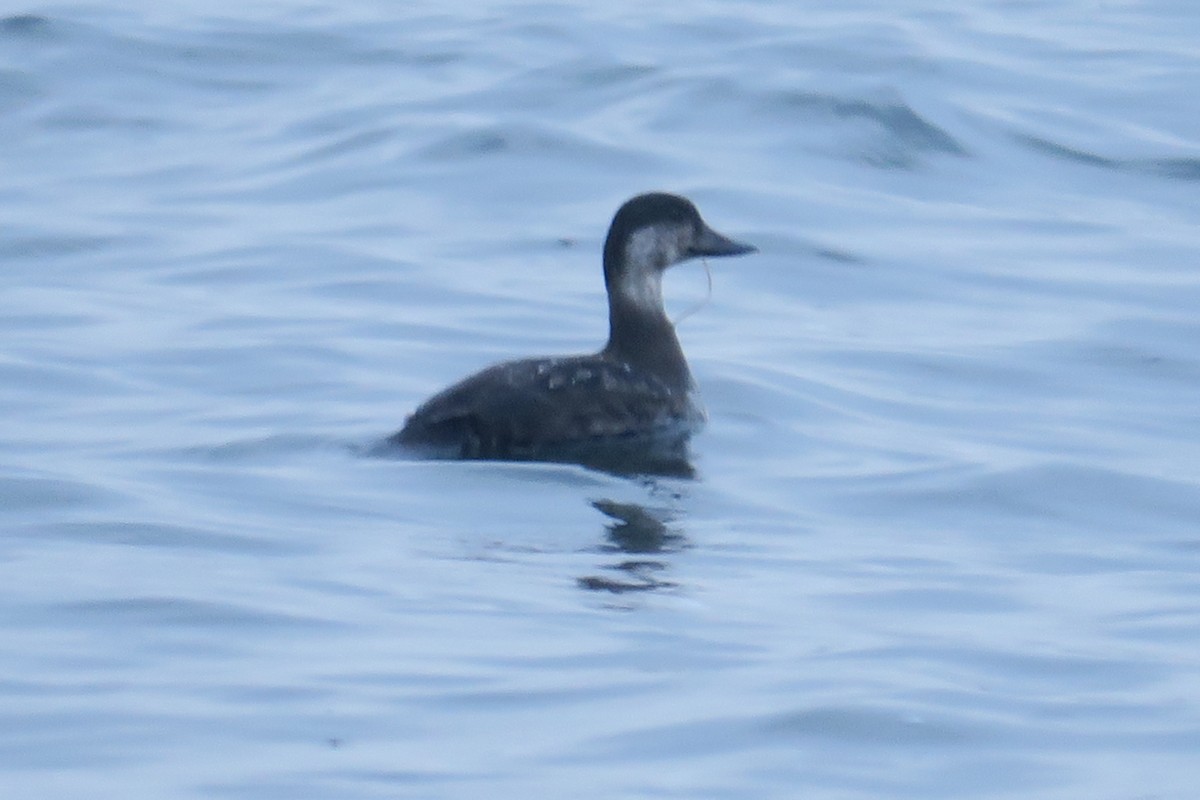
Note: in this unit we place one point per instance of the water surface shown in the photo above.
(942, 538)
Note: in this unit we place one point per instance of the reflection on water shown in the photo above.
(673, 462)
(664, 459)
(638, 531)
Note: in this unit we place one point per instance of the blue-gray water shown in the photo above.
(944, 536)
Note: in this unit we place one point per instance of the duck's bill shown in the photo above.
(711, 243)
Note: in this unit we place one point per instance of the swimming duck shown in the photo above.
(636, 393)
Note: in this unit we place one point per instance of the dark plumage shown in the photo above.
(634, 396)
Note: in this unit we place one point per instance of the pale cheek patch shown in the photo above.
(646, 253)
(651, 247)
(644, 289)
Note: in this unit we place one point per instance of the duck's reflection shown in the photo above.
(634, 530)
(669, 459)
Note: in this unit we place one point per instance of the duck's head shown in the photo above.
(650, 233)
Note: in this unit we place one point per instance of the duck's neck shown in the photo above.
(639, 334)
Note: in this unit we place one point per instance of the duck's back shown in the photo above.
(551, 407)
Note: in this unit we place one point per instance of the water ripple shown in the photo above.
(940, 536)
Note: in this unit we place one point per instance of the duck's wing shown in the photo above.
(524, 409)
